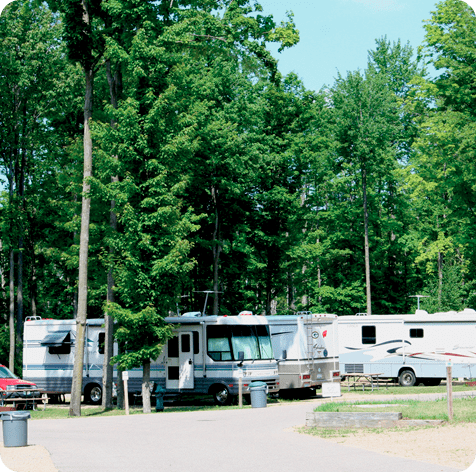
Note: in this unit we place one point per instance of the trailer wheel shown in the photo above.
(221, 395)
(407, 378)
(93, 394)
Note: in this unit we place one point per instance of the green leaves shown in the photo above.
(140, 334)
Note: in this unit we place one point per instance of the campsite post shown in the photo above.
(449, 389)
(125, 377)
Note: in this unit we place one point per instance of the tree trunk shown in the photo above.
(76, 388)
(367, 251)
(440, 278)
(11, 359)
(114, 88)
(217, 247)
(146, 408)
(120, 384)
(19, 326)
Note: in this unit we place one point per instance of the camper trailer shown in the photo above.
(410, 349)
(48, 356)
(210, 354)
(306, 347)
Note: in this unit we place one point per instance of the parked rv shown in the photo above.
(48, 356)
(210, 353)
(208, 356)
(306, 347)
(410, 349)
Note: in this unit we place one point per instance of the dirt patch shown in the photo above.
(448, 445)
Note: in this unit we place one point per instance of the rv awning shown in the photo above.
(55, 339)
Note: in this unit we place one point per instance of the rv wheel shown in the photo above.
(221, 395)
(93, 394)
(407, 378)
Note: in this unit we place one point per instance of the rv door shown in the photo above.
(186, 360)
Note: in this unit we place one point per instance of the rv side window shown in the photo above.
(63, 347)
(368, 335)
(416, 333)
(101, 342)
(219, 348)
(172, 347)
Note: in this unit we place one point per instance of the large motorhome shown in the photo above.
(306, 347)
(410, 349)
(211, 353)
(208, 355)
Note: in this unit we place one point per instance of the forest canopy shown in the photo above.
(212, 171)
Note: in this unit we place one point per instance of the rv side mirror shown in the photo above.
(285, 354)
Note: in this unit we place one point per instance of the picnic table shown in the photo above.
(22, 399)
(357, 376)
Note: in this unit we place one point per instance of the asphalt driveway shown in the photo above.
(256, 439)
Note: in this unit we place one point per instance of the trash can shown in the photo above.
(159, 398)
(258, 393)
(15, 428)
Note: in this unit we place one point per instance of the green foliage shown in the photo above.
(141, 335)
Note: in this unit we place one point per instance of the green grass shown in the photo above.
(56, 412)
(464, 410)
(397, 390)
(343, 432)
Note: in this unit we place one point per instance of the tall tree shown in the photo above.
(83, 34)
(30, 55)
(366, 122)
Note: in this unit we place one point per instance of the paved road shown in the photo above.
(256, 439)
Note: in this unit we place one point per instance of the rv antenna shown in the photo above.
(418, 298)
(206, 298)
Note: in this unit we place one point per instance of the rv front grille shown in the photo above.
(354, 368)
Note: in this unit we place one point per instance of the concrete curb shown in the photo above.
(360, 419)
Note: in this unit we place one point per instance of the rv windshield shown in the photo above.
(226, 341)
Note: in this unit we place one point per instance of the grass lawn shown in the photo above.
(397, 390)
(58, 412)
(464, 410)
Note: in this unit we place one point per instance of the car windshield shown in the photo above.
(6, 373)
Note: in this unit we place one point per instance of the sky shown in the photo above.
(336, 35)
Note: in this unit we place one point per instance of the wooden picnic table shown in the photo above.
(31, 396)
(357, 376)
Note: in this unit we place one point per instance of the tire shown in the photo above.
(93, 394)
(221, 396)
(407, 378)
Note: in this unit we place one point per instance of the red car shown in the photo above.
(12, 386)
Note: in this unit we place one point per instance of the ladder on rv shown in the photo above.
(309, 327)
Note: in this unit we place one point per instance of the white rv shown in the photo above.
(306, 346)
(211, 353)
(410, 349)
(48, 356)
(208, 355)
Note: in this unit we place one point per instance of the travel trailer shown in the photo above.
(210, 354)
(410, 349)
(306, 347)
(48, 356)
